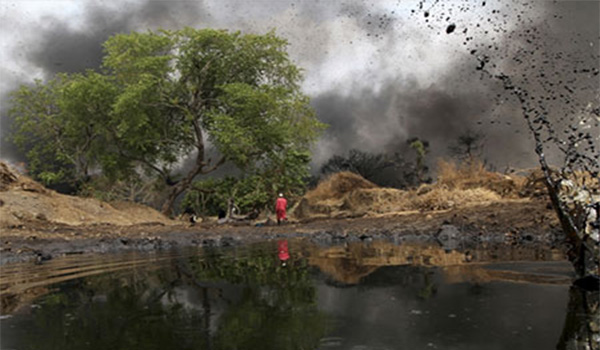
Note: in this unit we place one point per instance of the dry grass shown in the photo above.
(472, 175)
(347, 194)
(444, 198)
(11, 179)
(377, 200)
(386, 200)
(337, 185)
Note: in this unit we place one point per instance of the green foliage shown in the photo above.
(160, 97)
(36, 124)
(421, 149)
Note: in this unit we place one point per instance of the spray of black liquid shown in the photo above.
(556, 84)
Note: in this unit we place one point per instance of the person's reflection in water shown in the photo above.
(283, 252)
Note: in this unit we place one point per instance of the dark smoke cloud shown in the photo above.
(62, 48)
(539, 44)
(378, 72)
(384, 120)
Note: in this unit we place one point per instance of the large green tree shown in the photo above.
(166, 96)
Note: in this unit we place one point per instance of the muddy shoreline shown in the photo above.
(524, 223)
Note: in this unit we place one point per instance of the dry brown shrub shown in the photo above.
(328, 198)
(584, 179)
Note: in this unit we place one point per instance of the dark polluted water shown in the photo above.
(298, 295)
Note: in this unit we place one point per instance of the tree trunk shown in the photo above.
(184, 184)
(178, 188)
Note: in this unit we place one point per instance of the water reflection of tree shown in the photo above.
(581, 330)
(276, 308)
(112, 312)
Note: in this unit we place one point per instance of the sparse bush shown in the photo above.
(135, 189)
(383, 169)
(469, 146)
(367, 165)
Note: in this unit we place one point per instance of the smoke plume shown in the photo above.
(378, 73)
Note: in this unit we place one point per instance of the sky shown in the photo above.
(378, 72)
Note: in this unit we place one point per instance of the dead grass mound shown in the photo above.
(472, 175)
(7, 177)
(442, 198)
(23, 201)
(389, 200)
(328, 198)
(349, 195)
(337, 185)
(378, 200)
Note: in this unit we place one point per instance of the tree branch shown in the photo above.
(214, 166)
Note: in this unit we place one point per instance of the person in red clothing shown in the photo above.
(280, 208)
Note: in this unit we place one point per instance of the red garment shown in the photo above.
(280, 208)
(282, 247)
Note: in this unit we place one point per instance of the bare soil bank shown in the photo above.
(39, 224)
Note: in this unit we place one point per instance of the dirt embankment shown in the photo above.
(24, 201)
(39, 223)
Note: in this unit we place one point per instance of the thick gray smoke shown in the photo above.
(60, 47)
(551, 49)
(378, 72)
(382, 121)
